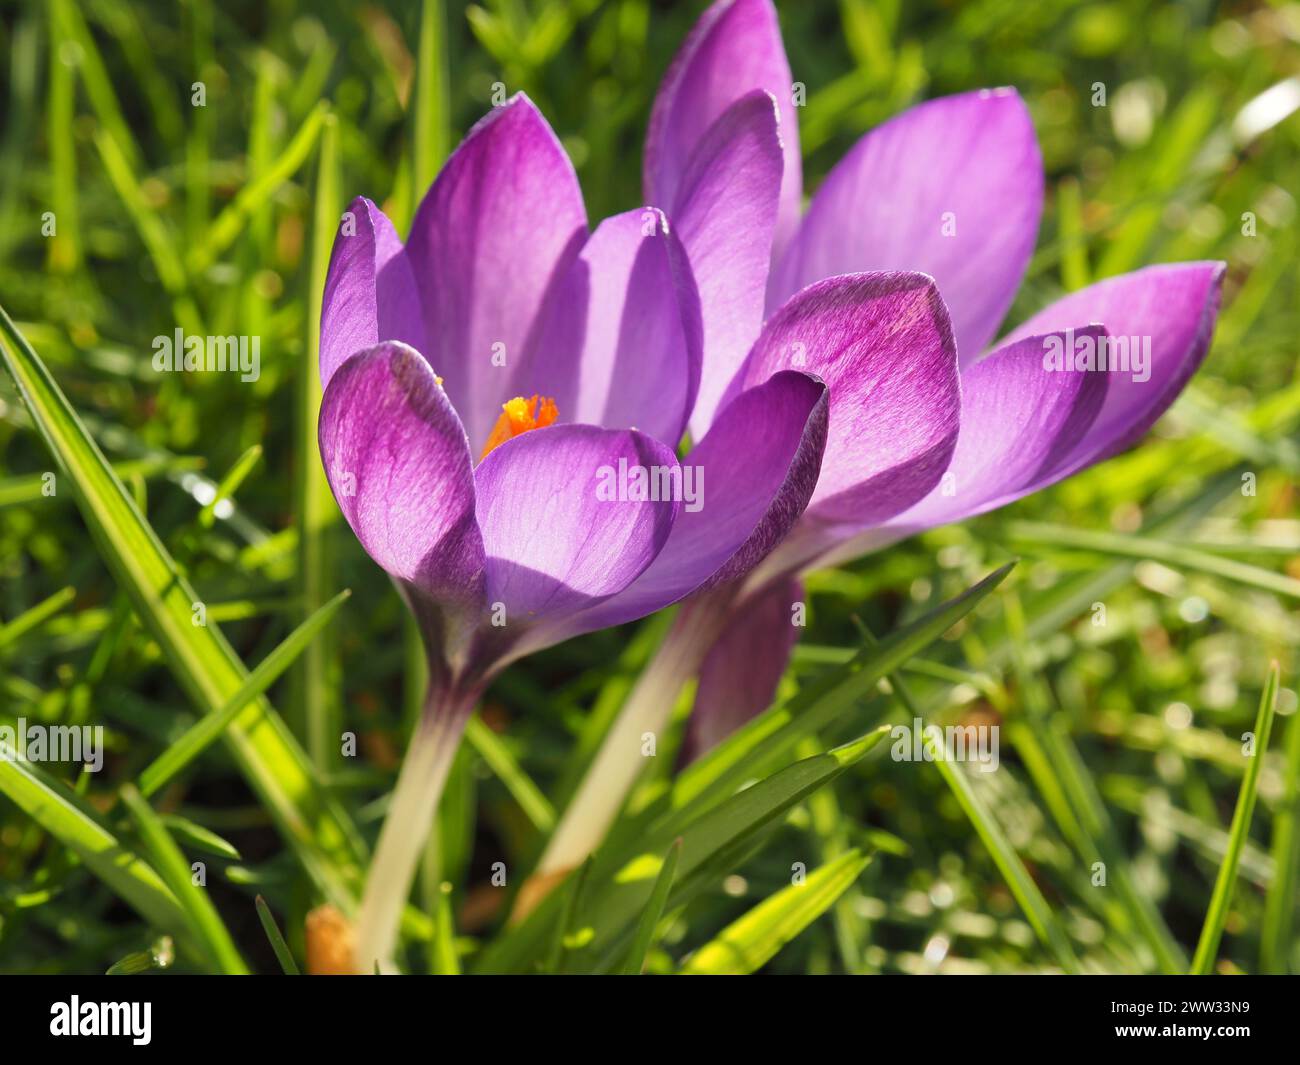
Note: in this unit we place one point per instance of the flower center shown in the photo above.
(520, 415)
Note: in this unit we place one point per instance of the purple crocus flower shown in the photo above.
(952, 188)
(490, 385)
(928, 222)
(482, 380)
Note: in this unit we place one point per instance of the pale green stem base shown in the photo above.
(406, 828)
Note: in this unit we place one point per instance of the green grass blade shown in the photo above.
(208, 730)
(158, 957)
(282, 953)
(65, 243)
(706, 826)
(200, 658)
(36, 616)
(229, 485)
(204, 839)
(124, 24)
(1280, 902)
(1031, 901)
(154, 233)
(1142, 547)
(623, 880)
(432, 91)
(653, 912)
(72, 28)
(566, 935)
(774, 733)
(747, 944)
(451, 843)
(72, 821)
(29, 488)
(1047, 611)
(227, 226)
(832, 831)
(1094, 822)
(1204, 413)
(444, 961)
(174, 869)
(494, 752)
(21, 115)
(1054, 763)
(201, 120)
(1182, 134)
(315, 701)
(1072, 237)
(258, 247)
(1207, 948)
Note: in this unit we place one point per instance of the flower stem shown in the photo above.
(406, 827)
(619, 761)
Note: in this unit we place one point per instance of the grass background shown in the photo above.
(1121, 742)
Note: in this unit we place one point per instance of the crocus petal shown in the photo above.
(724, 211)
(619, 343)
(752, 476)
(370, 293)
(952, 188)
(739, 677)
(500, 223)
(883, 344)
(559, 534)
(1172, 308)
(1019, 420)
(398, 461)
(735, 48)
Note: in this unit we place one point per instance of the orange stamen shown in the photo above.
(520, 415)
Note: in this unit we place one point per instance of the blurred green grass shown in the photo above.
(1123, 738)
